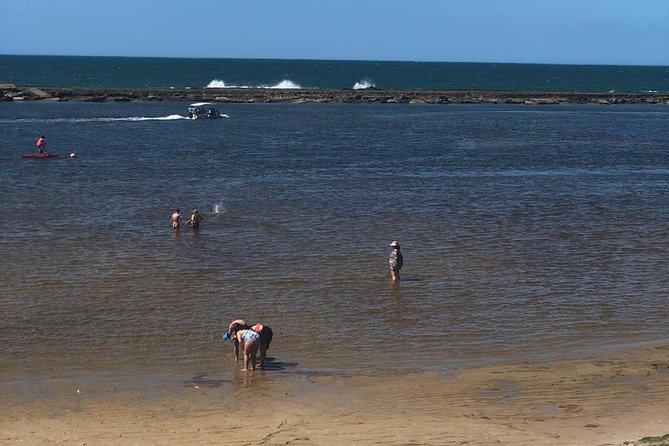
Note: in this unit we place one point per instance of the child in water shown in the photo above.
(250, 340)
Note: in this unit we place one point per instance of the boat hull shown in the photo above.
(40, 156)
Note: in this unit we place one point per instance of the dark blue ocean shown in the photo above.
(528, 232)
(266, 73)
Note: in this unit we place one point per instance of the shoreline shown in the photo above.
(11, 93)
(609, 398)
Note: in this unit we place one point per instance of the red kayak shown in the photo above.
(39, 156)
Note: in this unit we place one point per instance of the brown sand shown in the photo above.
(607, 400)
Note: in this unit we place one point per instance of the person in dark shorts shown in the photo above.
(266, 335)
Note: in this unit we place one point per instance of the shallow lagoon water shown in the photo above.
(528, 232)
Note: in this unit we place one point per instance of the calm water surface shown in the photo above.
(528, 232)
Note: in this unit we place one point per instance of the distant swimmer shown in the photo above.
(195, 219)
(396, 261)
(176, 219)
(41, 145)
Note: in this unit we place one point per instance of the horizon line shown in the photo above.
(339, 60)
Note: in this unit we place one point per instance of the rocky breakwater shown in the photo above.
(9, 92)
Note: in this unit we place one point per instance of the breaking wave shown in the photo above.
(364, 84)
(219, 208)
(284, 84)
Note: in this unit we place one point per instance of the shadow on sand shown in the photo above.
(272, 365)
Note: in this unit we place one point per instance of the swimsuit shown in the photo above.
(250, 335)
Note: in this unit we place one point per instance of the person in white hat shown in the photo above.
(396, 261)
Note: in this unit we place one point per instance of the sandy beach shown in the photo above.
(614, 398)
(517, 151)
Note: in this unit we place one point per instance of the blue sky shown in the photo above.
(632, 32)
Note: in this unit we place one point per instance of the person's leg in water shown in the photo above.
(250, 354)
(394, 275)
(265, 339)
(263, 355)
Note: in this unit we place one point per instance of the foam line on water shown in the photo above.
(284, 84)
(128, 118)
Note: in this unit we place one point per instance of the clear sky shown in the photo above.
(542, 31)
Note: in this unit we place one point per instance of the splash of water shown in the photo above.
(217, 83)
(284, 84)
(218, 209)
(364, 84)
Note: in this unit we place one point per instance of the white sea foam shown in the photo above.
(364, 84)
(284, 84)
(144, 118)
(217, 83)
(128, 118)
(218, 208)
(288, 84)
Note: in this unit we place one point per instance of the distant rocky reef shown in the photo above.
(10, 92)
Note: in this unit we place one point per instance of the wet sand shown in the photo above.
(613, 398)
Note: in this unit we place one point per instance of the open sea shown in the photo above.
(144, 72)
(528, 232)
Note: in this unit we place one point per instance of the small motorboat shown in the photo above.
(40, 156)
(204, 110)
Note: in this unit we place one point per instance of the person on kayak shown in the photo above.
(41, 144)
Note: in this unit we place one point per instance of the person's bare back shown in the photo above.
(176, 219)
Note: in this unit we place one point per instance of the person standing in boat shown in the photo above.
(41, 144)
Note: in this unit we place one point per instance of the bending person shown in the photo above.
(265, 332)
(266, 335)
(250, 341)
(236, 325)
